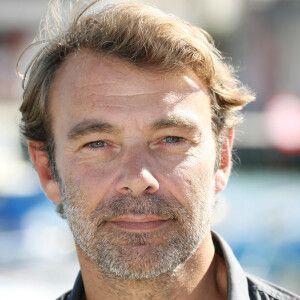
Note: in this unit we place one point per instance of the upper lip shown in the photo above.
(138, 218)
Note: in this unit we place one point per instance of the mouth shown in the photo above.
(139, 223)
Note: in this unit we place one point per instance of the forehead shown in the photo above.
(88, 83)
(85, 67)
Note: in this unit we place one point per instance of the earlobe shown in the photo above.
(40, 160)
(222, 174)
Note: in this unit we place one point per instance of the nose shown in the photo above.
(135, 177)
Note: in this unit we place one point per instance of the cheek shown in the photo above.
(92, 180)
(192, 180)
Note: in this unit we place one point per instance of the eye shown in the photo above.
(97, 144)
(172, 139)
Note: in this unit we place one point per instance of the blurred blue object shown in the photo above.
(13, 209)
(262, 223)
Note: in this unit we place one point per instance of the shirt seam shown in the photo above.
(277, 295)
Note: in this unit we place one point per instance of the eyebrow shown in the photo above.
(86, 127)
(175, 122)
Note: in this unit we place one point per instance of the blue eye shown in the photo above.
(172, 139)
(97, 144)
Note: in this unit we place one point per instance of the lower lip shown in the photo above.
(139, 226)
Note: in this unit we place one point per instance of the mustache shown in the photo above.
(166, 208)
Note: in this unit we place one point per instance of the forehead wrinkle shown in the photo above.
(115, 89)
(121, 101)
(113, 86)
(93, 95)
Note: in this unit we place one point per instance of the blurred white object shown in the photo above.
(17, 176)
(283, 122)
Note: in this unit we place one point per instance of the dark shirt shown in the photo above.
(240, 285)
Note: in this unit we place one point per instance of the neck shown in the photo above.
(203, 276)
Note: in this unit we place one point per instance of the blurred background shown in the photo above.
(258, 213)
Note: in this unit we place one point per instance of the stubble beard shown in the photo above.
(137, 255)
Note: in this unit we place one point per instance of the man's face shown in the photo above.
(135, 153)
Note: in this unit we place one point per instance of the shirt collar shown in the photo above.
(236, 279)
(78, 289)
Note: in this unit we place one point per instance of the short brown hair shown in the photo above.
(140, 34)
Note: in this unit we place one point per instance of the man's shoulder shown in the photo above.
(260, 289)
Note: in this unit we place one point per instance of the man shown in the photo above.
(129, 115)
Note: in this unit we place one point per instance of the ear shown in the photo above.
(40, 160)
(222, 174)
